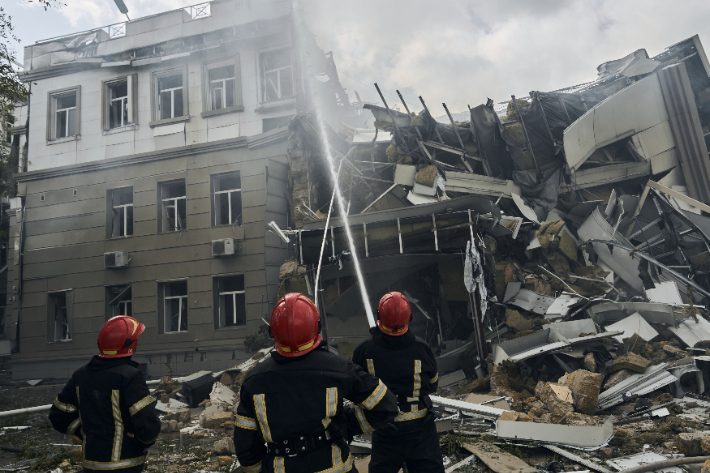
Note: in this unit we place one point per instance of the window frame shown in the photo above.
(111, 297)
(262, 75)
(163, 313)
(155, 96)
(217, 305)
(132, 102)
(238, 106)
(109, 212)
(161, 200)
(52, 97)
(51, 316)
(214, 179)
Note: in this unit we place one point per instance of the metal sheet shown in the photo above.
(666, 293)
(561, 305)
(577, 459)
(480, 185)
(595, 227)
(654, 378)
(691, 332)
(633, 324)
(630, 461)
(573, 328)
(652, 312)
(579, 437)
(520, 349)
(527, 299)
(467, 407)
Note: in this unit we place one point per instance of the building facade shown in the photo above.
(153, 157)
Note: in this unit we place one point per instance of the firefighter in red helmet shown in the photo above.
(407, 366)
(291, 416)
(106, 403)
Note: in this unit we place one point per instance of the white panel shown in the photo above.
(655, 140)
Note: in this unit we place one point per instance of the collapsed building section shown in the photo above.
(561, 237)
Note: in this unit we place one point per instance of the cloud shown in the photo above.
(461, 51)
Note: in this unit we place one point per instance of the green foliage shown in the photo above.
(12, 92)
(261, 339)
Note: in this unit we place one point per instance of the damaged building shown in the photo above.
(151, 157)
(537, 237)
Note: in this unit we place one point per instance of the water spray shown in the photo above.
(339, 196)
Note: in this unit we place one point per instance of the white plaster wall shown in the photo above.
(94, 144)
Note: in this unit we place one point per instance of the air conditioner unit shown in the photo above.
(223, 247)
(116, 259)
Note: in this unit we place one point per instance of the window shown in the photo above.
(227, 199)
(120, 100)
(223, 89)
(58, 315)
(276, 75)
(170, 94)
(120, 215)
(174, 306)
(119, 301)
(230, 307)
(173, 206)
(63, 114)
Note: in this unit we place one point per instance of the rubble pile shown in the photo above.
(555, 250)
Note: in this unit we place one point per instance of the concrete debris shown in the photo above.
(224, 446)
(585, 387)
(632, 362)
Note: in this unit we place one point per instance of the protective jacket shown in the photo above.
(295, 406)
(102, 403)
(407, 366)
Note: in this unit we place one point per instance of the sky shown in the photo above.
(455, 51)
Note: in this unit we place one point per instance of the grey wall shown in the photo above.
(66, 238)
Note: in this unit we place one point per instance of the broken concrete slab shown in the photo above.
(693, 444)
(616, 378)
(633, 324)
(556, 397)
(578, 437)
(498, 460)
(224, 446)
(585, 387)
(631, 361)
(221, 393)
(514, 320)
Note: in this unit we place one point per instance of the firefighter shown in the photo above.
(407, 366)
(291, 417)
(106, 403)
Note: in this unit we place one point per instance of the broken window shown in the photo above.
(121, 215)
(120, 102)
(227, 199)
(58, 317)
(174, 306)
(63, 117)
(119, 301)
(170, 98)
(230, 309)
(174, 206)
(276, 74)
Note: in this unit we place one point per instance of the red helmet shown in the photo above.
(395, 314)
(119, 337)
(294, 325)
